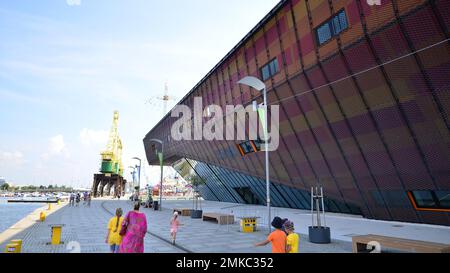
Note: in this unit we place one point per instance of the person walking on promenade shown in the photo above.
(113, 238)
(89, 197)
(85, 198)
(277, 237)
(292, 240)
(135, 224)
(72, 199)
(174, 224)
(77, 198)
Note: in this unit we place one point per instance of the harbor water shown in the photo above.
(11, 213)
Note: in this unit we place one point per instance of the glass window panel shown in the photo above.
(305, 202)
(258, 143)
(343, 20)
(331, 205)
(246, 147)
(273, 67)
(265, 73)
(444, 199)
(336, 25)
(324, 33)
(284, 190)
(424, 199)
(295, 202)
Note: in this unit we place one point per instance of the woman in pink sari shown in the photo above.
(133, 241)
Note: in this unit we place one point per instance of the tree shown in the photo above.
(5, 187)
(196, 181)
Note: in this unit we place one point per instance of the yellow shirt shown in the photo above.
(292, 240)
(114, 236)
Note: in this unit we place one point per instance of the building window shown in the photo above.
(430, 200)
(250, 146)
(332, 27)
(257, 144)
(246, 148)
(269, 69)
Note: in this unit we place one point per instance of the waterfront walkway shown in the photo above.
(85, 227)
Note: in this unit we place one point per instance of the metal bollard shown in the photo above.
(42, 216)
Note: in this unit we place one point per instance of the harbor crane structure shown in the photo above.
(111, 167)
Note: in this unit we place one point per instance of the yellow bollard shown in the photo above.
(42, 216)
(59, 202)
(12, 248)
(49, 206)
(17, 242)
(56, 234)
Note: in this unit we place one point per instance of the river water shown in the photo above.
(11, 213)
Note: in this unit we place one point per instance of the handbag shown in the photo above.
(123, 230)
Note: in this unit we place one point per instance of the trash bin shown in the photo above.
(248, 224)
(155, 205)
(17, 242)
(56, 234)
(12, 248)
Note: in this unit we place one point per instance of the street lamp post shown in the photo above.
(139, 172)
(161, 158)
(133, 176)
(257, 84)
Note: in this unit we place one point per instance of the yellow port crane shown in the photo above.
(112, 156)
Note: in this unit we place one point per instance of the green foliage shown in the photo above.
(196, 180)
(5, 187)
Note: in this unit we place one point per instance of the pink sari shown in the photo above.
(133, 241)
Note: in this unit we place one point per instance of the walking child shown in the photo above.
(292, 240)
(174, 224)
(113, 237)
(277, 237)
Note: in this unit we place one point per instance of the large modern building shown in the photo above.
(364, 95)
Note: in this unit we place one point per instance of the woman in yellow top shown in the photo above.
(292, 238)
(113, 237)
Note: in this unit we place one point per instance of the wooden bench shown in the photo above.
(221, 219)
(184, 211)
(359, 244)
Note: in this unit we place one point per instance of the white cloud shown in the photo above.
(57, 144)
(56, 147)
(11, 159)
(89, 137)
(73, 2)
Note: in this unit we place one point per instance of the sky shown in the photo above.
(66, 65)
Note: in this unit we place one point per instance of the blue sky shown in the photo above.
(66, 65)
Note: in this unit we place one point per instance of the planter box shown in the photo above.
(319, 235)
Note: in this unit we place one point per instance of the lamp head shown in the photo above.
(253, 82)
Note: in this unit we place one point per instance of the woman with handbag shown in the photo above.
(113, 238)
(133, 230)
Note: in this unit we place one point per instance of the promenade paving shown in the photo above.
(85, 229)
(204, 236)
